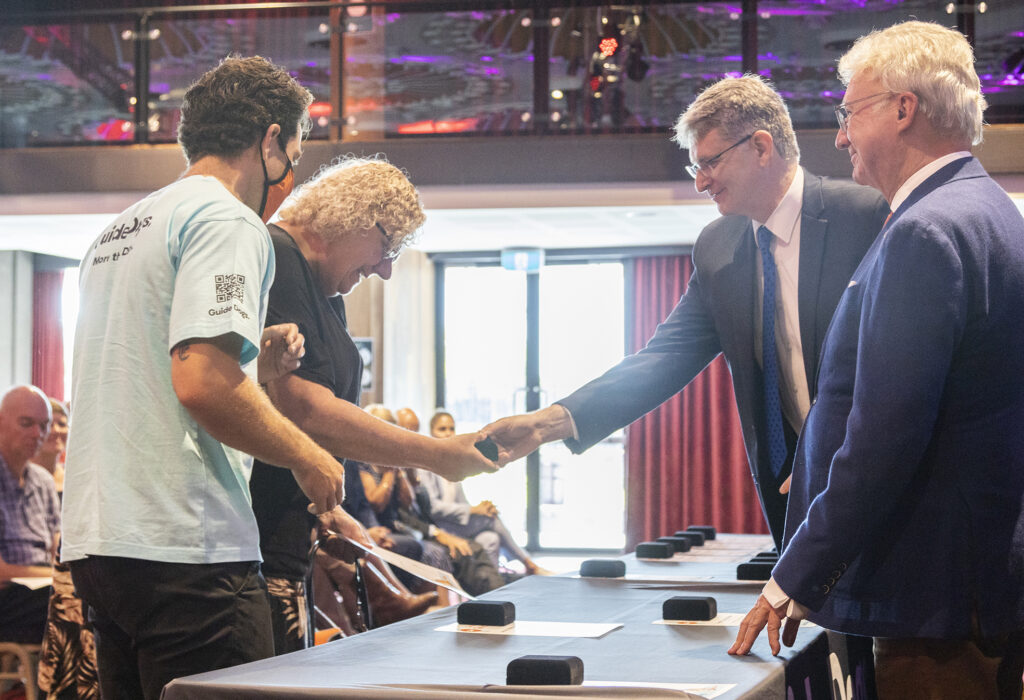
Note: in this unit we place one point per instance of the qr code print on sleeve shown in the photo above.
(229, 287)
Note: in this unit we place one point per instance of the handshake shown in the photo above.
(512, 438)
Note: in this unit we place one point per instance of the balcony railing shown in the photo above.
(400, 69)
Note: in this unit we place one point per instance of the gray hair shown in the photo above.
(739, 107)
(934, 63)
(353, 193)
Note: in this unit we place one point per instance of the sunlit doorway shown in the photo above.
(576, 311)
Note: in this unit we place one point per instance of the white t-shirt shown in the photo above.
(143, 479)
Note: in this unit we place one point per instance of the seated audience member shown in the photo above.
(67, 662)
(356, 505)
(332, 574)
(466, 560)
(451, 510)
(348, 222)
(51, 455)
(29, 514)
(387, 490)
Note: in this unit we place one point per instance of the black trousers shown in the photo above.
(23, 613)
(157, 621)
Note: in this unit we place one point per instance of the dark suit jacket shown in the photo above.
(717, 314)
(905, 518)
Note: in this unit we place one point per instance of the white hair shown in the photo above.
(929, 60)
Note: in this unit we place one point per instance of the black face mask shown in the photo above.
(275, 191)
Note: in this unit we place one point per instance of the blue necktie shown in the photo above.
(772, 404)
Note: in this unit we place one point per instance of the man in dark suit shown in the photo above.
(746, 158)
(906, 517)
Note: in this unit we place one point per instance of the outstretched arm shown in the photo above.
(518, 436)
(349, 432)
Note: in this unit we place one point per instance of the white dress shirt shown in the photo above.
(923, 174)
(784, 223)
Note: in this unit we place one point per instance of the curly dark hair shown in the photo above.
(231, 106)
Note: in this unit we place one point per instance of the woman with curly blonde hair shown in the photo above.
(349, 221)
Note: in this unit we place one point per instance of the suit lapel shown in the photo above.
(740, 285)
(812, 253)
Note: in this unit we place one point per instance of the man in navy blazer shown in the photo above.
(905, 516)
(746, 158)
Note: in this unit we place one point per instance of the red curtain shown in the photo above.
(48, 333)
(685, 460)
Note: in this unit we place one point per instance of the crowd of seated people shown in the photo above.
(397, 507)
(408, 511)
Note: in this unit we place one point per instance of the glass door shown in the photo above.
(512, 341)
(484, 356)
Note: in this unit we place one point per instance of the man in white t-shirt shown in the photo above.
(159, 531)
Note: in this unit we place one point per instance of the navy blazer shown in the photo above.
(905, 518)
(839, 220)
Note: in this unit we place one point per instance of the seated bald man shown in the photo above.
(29, 514)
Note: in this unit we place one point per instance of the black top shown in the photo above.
(331, 360)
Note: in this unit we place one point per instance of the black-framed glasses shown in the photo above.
(843, 111)
(711, 163)
(389, 252)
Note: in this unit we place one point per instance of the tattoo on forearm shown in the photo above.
(183, 352)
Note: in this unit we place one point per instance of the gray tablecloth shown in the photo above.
(411, 659)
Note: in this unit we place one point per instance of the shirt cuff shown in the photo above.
(572, 423)
(778, 599)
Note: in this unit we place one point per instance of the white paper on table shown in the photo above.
(704, 690)
(416, 568)
(530, 628)
(720, 620)
(33, 582)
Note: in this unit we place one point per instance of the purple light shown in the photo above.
(44, 76)
(487, 58)
(159, 87)
(733, 74)
(492, 71)
(827, 93)
(310, 64)
(392, 17)
(732, 58)
(802, 12)
(421, 59)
